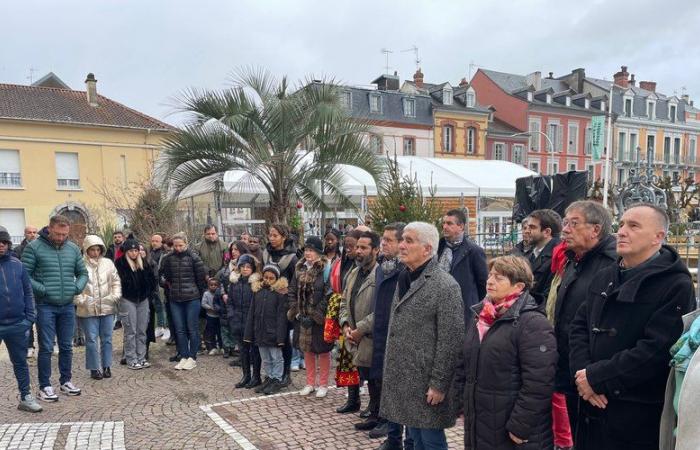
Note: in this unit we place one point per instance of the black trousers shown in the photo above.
(621, 425)
(374, 386)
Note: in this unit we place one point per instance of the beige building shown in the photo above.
(60, 148)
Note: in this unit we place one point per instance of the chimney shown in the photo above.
(534, 79)
(418, 78)
(576, 79)
(648, 85)
(620, 78)
(691, 103)
(463, 82)
(686, 98)
(91, 89)
(551, 75)
(632, 80)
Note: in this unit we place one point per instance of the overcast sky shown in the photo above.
(144, 52)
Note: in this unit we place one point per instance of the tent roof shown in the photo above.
(452, 178)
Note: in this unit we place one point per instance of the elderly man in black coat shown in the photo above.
(462, 258)
(621, 337)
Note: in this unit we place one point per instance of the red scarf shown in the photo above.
(559, 258)
(490, 312)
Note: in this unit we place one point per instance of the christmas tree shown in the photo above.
(400, 199)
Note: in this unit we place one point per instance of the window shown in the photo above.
(568, 101)
(667, 150)
(555, 168)
(535, 166)
(548, 98)
(672, 113)
(587, 103)
(409, 107)
(447, 95)
(345, 98)
(676, 176)
(591, 172)
(650, 143)
(67, 170)
(375, 103)
(602, 106)
(667, 174)
(572, 167)
(620, 176)
(530, 96)
(471, 140)
(448, 138)
(632, 155)
(409, 146)
(651, 109)
(677, 151)
(587, 144)
(13, 220)
(10, 173)
(691, 150)
(518, 151)
(554, 134)
(628, 107)
(499, 151)
(622, 146)
(535, 136)
(573, 138)
(375, 144)
(471, 99)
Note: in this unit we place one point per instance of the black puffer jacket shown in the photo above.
(286, 258)
(137, 285)
(507, 380)
(267, 320)
(184, 275)
(573, 291)
(240, 297)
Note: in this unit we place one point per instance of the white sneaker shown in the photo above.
(180, 364)
(69, 388)
(322, 392)
(47, 394)
(159, 332)
(294, 368)
(30, 353)
(213, 352)
(190, 364)
(306, 391)
(166, 335)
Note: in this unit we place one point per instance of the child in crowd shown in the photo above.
(211, 303)
(240, 296)
(266, 326)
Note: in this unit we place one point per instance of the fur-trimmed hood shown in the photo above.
(318, 264)
(236, 275)
(280, 285)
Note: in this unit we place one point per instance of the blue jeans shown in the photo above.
(297, 355)
(55, 323)
(186, 321)
(428, 438)
(272, 362)
(98, 326)
(16, 337)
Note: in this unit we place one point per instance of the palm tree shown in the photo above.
(290, 141)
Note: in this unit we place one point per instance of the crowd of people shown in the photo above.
(581, 338)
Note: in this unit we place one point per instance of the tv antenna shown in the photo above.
(414, 49)
(31, 74)
(472, 66)
(386, 52)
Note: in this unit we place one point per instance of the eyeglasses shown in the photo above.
(571, 223)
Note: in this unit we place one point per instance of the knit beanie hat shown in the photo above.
(272, 267)
(130, 244)
(314, 243)
(246, 259)
(5, 237)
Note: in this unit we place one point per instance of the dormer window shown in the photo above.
(568, 101)
(628, 106)
(548, 98)
(375, 103)
(651, 109)
(345, 98)
(471, 99)
(672, 113)
(530, 96)
(447, 96)
(409, 107)
(587, 103)
(602, 106)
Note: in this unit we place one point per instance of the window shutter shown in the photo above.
(67, 166)
(9, 161)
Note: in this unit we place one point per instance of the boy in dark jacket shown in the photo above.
(266, 326)
(211, 303)
(16, 318)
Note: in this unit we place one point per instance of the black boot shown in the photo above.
(245, 365)
(256, 363)
(353, 403)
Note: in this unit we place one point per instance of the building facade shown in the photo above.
(59, 148)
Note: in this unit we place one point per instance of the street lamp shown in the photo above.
(550, 165)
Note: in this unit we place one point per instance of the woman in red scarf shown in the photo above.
(509, 363)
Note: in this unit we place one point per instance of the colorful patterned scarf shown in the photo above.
(490, 312)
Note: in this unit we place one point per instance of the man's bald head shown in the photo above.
(658, 213)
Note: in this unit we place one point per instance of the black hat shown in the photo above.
(272, 267)
(314, 243)
(130, 244)
(246, 259)
(5, 237)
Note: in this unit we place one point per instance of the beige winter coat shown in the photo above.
(363, 317)
(104, 289)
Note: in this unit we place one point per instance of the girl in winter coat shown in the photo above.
(96, 307)
(138, 286)
(235, 250)
(510, 357)
(266, 326)
(308, 302)
(240, 297)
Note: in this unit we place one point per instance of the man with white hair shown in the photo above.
(427, 320)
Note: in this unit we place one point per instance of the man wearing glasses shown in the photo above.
(587, 228)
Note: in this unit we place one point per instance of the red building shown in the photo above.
(549, 110)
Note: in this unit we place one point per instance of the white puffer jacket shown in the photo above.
(102, 293)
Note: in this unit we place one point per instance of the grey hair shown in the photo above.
(595, 214)
(181, 235)
(426, 234)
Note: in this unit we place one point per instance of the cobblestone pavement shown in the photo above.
(162, 408)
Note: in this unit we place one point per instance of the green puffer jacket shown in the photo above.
(57, 273)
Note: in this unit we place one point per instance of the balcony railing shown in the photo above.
(10, 179)
(68, 183)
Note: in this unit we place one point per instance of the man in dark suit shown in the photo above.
(543, 229)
